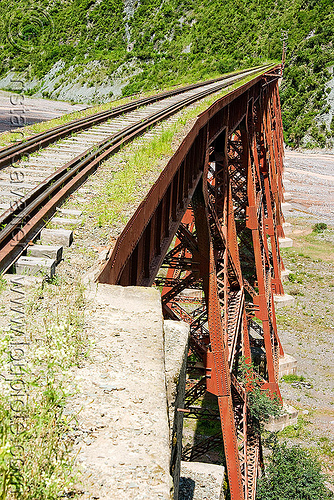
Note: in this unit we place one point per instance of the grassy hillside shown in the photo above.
(151, 43)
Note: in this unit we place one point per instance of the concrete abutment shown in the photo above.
(129, 396)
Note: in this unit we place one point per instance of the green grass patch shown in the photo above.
(207, 427)
(40, 469)
(319, 227)
(3, 284)
(326, 446)
(294, 278)
(295, 431)
(312, 245)
(293, 378)
(35, 443)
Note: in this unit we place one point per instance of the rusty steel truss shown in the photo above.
(212, 221)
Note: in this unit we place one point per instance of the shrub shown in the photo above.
(292, 474)
(319, 227)
(261, 403)
(293, 278)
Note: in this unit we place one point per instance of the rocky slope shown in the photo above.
(92, 50)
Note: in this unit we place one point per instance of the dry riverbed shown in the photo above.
(306, 327)
(17, 110)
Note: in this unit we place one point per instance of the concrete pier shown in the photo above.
(283, 300)
(287, 227)
(287, 365)
(285, 274)
(285, 242)
(289, 417)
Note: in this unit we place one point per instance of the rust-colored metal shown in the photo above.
(220, 195)
(171, 184)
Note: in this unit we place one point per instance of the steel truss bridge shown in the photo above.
(211, 222)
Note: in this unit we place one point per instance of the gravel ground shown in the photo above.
(309, 177)
(306, 328)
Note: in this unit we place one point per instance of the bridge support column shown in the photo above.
(220, 381)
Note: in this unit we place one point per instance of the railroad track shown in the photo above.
(48, 177)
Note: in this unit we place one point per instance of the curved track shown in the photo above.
(9, 155)
(27, 216)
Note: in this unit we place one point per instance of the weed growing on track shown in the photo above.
(42, 468)
(152, 156)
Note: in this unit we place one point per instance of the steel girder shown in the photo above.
(221, 203)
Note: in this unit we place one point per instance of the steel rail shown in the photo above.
(12, 154)
(27, 217)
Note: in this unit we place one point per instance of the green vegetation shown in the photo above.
(208, 427)
(292, 474)
(315, 246)
(319, 227)
(326, 446)
(261, 403)
(297, 431)
(293, 378)
(3, 284)
(178, 42)
(36, 435)
(43, 448)
(294, 278)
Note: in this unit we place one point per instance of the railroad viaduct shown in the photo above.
(213, 222)
(188, 288)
